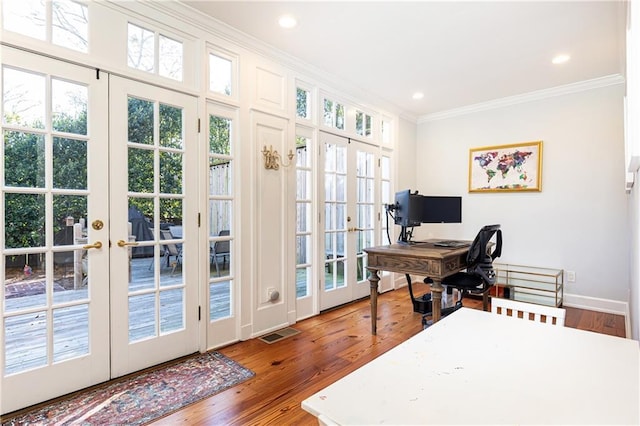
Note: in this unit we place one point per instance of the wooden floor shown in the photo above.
(328, 347)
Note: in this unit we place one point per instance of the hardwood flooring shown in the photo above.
(328, 347)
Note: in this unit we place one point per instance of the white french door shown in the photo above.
(99, 253)
(349, 220)
(154, 225)
(54, 334)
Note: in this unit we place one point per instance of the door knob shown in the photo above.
(123, 243)
(96, 245)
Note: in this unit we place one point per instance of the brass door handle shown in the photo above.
(123, 243)
(354, 229)
(96, 245)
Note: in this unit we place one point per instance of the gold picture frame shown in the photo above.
(506, 168)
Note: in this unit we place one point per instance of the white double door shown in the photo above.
(99, 207)
(350, 179)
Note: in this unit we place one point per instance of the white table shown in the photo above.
(475, 367)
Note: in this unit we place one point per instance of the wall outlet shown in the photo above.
(571, 276)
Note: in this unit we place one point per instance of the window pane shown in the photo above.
(170, 126)
(219, 300)
(339, 117)
(171, 311)
(328, 112)
(15, 342)
(219, 75)
(70, 25)
(302, 103)
(70, 332)
(69, 163)
(25, 17)
(367, 125)
(140, 121)
(170, 173)
(23, 98)
(24, 160)
(170, 58)
(142, 317)
(140, 48)
(386, 132)
(69, 107)
(359, 123)
(220, 219)
(220, 175)
(67, 210)
(24, 220)
(24, 285)
(219, 135)
(140, 170)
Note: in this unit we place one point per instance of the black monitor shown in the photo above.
(408, 208)
(441, 209)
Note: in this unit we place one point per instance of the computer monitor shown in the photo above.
(441, 209)
(408, 208)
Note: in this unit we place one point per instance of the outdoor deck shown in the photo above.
(26, 334)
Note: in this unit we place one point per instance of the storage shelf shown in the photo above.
(543, 286)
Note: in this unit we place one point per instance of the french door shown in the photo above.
(349, 219)
(154, 225)
(99, 222)
(55, 250)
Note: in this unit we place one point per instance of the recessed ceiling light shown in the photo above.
(560, 59)
(418, 95)
(287, 21)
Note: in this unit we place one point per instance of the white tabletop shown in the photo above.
(474, 367)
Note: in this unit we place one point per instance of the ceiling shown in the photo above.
(456, 53)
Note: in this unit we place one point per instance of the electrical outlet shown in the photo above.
(571, 276)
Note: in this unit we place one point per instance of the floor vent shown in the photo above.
(276, 336)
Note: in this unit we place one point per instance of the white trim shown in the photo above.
(600, 305)
(580, 86)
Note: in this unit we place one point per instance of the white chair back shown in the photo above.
(545, 314)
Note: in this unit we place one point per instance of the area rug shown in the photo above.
(142, 397)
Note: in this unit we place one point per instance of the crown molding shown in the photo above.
(223, 31)
(610, 80)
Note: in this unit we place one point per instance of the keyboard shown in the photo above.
(451, 243)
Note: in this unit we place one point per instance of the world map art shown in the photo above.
(515, 167)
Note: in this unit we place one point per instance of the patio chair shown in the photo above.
(221, 249)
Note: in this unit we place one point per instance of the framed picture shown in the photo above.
(504, 168)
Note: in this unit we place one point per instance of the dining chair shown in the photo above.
(529, 311)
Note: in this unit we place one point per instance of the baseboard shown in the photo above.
(600, 305)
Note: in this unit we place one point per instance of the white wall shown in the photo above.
(579, 220)
(406, 145)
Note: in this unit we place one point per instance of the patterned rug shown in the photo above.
(142, 397)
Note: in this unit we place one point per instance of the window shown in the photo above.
(303, 103)
(65, 23)
(333, 114)
(220, 74)
(363, 124)
(386, 132)
(141, 48)
(221, 193)
(304, 200)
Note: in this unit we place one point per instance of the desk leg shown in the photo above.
(373, 281)
(436, 300)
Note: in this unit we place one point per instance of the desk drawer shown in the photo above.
(434, 268)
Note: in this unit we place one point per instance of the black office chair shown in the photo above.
(480, 275)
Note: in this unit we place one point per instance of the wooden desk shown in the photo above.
(422, 258)
(475, 367)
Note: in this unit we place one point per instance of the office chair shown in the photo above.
(480, 275)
